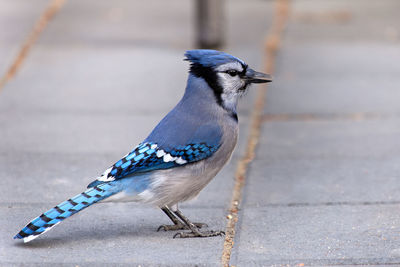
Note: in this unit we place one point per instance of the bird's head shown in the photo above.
(226, 75)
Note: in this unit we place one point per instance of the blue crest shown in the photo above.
(210, 58)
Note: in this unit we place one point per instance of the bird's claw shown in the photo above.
(173, 227)
(180, 226)
(198, 234)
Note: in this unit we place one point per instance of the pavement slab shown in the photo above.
(338, 57)
(323, 188)
(357, 21)
(344, 78)
(330, 139)
(321, 235)
(326, 162)
(97, 80)
(17, 19)
(126, 235)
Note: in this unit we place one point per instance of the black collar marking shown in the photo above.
(208, 74)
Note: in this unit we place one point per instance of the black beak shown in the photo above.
(253, 76)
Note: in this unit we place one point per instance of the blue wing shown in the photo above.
(149, 156)
(182, 137)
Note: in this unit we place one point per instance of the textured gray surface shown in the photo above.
(324, 187)
(322, 190)
(320, 78)
(121, 233)
(339, 56)
(356, 21)
(16, 22)
(101, 75)
(321, 235)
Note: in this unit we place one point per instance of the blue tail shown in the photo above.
(52, 217)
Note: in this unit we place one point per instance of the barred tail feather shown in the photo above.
(54, 216)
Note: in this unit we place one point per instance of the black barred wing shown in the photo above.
(148, 156)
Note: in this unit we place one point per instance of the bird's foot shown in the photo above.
(199, 234)
(178, 218)
(179, 226)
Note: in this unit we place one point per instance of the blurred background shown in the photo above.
(83, 82)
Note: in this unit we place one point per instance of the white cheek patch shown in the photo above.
(231, 90)
(230, 84)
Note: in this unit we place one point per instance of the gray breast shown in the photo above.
(171, 186)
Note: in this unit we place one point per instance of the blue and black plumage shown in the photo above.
(66, 209)
(144, 158)
(181, 155)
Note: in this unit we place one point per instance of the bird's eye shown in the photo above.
(232, 72)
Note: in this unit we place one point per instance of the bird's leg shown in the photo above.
(178, 225)
(195, 232)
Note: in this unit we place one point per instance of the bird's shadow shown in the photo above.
(109, 232)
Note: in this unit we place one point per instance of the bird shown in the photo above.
(180, 156)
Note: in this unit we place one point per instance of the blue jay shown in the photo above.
(181, 155)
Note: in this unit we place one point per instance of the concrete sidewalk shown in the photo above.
(322, 190)
(100, 77)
